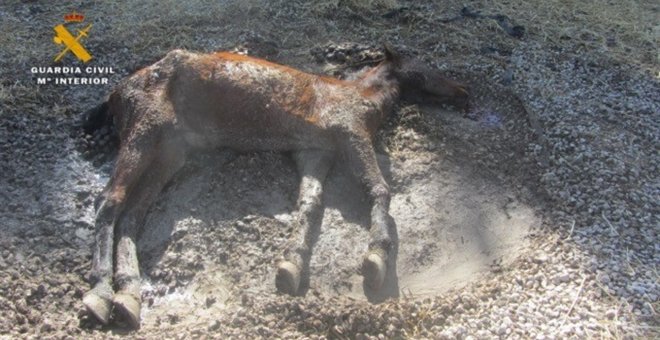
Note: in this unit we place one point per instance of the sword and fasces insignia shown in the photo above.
(71, 43)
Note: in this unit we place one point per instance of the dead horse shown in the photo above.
(192, 100)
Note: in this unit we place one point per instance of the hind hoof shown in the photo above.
(129, 309)
(288, 278)
(99, 306)
(373, 269)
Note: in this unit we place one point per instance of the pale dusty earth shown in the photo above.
(533, 215)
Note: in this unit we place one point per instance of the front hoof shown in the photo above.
(99, 306)
(373, 269)
(288, 278)
(129, 309)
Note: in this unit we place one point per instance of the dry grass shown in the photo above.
(627, 30)
(135, 32)
(369, 3)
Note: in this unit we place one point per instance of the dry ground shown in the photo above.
(535, 215)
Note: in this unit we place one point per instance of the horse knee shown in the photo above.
(380, 194)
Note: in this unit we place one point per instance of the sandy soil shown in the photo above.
(453, 224)
(534, 215)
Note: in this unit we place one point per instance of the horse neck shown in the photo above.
(380, 86)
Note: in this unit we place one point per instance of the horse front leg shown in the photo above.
(313, 166)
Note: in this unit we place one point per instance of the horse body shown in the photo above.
(190, 100)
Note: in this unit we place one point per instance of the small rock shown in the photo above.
(214, 325)
(604, 279)
(540, 259)
(611, 314)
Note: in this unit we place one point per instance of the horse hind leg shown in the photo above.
(132, 161)
(127, 300)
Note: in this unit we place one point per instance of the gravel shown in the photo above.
(583, 153)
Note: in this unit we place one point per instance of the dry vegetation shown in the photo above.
(627, 30)
(130, 34)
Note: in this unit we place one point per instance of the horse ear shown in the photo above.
(391, 54)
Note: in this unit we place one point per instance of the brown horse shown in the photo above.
(191, 100)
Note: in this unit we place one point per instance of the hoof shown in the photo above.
(373, 269)
(288, 278)
(129, 308)
(99, 306)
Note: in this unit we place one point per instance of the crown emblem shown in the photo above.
(74, 17)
